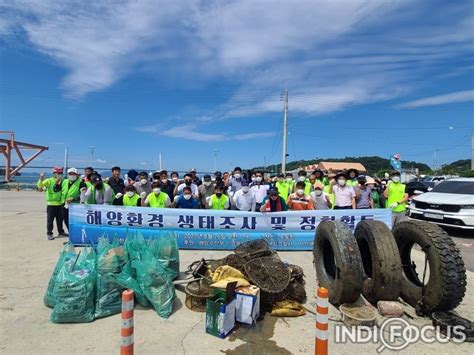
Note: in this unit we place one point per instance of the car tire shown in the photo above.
(446, 285)
(338, 262)
(380, 260)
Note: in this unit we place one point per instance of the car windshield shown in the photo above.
(455, 187)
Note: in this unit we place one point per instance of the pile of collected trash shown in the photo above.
(377, 263)
(252, 264)
(88, 284)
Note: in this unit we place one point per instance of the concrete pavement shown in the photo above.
(26, 263)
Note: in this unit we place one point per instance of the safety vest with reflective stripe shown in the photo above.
(396, 193)
(53, 198)
(130, 201)
(327, 189)
(219, 203)
(284, 188)
(92, 198)
(71, 191)
(157, 201)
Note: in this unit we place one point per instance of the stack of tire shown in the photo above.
(376, 262)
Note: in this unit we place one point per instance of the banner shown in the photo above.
(395, 162)
(210, 229)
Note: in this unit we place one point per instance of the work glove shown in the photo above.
(143, 194)
(119, 195)
(393, 205)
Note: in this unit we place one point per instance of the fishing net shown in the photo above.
(253, 249)
(268, 273)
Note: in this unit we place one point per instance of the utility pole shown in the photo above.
(160, 162)
(472, 151)
(215, 158)
(265, 163)
(65, 158)
(435, 167)
(92, 148)
(285, 128)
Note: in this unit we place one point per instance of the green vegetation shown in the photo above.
(374, 164)
(459, 167)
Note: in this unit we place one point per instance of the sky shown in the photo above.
(201, 82)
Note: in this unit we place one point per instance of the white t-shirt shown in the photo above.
(244, 202)
(343, 195)
(260, 191)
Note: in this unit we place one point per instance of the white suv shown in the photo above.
(450, 203)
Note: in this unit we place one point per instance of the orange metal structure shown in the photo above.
(10, 144)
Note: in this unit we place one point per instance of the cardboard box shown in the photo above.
(247, 305)
(220, 312)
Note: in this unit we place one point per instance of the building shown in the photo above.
(336, 167)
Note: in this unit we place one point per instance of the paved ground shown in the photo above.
(26, 262)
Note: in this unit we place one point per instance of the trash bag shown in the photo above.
(111, 258)
(135, 249)
(165, 249)
(66, 254)
(127, 279)
(155, 282)
(75, 289)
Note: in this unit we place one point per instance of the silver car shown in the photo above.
(450, 203)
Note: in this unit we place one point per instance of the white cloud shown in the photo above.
(455, 97)
(247, 136)
(190, 132)
(329, 54)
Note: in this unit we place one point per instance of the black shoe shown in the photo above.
(63, 234)
(50, 237)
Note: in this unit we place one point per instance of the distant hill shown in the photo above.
(374, 164)
(459, 167)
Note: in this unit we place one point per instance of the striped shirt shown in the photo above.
(300, 203)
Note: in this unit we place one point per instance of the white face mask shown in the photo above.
(253, 179)
(157, 190)
(300, 192)
(187, 197)
(318, 192)
(289, 179)
(396, 178)
(72, 177)
(245, 189)
(164, 181)
(302, 178)
(130, 193)
(143, 181)
(258, 178)
(237, 175)
(174, 179)
(207, 183)
(341, 182)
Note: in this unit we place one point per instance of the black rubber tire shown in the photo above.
(380, 260)
(337, 262)
(446, 285)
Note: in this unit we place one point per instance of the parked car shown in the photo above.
(419, 186)
(450, 203)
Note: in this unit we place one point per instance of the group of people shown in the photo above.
(250, 191)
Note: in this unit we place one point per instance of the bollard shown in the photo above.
(126, 331)
(322, 310)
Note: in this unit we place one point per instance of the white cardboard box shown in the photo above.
(247, 304)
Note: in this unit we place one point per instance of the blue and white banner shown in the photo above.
(210, 229)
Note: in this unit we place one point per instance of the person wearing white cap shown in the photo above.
(70, 192)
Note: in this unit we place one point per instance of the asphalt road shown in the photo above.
(465, 242)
